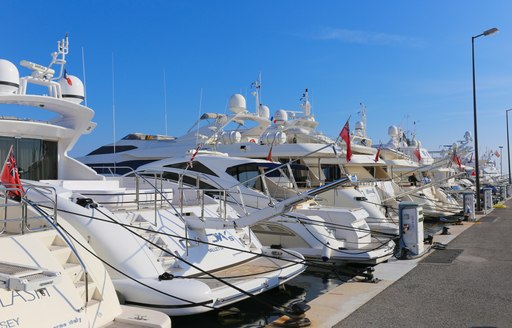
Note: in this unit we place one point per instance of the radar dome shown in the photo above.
(359, 125)
(265, 112)
(271, 138)
(9, 77)
(237, 103)
(72, 89)
(230, 137)
(280, 117)
(393, 131)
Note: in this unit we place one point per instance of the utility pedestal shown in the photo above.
(411, 228)
(487, 199)
(503, 192)
(469, 205)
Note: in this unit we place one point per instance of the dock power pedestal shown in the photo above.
(469, 205)
(411, 228)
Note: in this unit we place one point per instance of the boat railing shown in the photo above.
(112, 170)
(27, 219)
(22, 214)
(420, 186)
(216, 191)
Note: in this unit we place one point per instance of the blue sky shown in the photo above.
(407, 61)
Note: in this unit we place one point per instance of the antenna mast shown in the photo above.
(363, 117)
(165, 104)
(113, 114)
(83, 71)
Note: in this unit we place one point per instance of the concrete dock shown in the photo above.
(466, 285)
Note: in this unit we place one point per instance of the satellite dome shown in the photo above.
(264, 111)
(271, 138)
(9, 77)
(393, 131)
(72, 89)
(280, 117)
(230, 137)
(359, 125)
(237, 104)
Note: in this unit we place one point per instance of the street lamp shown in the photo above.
(508, 150)
(485, 33)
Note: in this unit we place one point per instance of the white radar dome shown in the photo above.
(9, 77)
(359, 125)
(72, 89)
(393, 131)
(230, 137)
(237, 103)
(264, 112)
(280, 117)
(270, 138)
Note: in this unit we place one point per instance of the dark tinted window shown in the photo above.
(196, 167)
(36, 159)
(110, 150)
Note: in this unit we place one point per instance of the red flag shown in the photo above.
(378, 154)
(456, 159)
(345, 135)
(10, 177)
(497, 153)
(68, 79)
(269, 156)
(418, 153)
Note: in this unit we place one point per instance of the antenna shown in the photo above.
(165, 103)
(257, 85)
(259, 93)
(199, 114)
(306, 107)
(113, 114)
(85, 81)
(363, 117)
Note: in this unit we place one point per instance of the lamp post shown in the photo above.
(508, 149)
(501, 161)
(477, 177)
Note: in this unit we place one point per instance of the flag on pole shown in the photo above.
(456, 159)
(66, 76)
(10, 177)
(497, 153)
(345, 135)
(190, 164)
(378, 154)
(418, 153)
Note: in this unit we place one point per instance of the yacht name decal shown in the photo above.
(9, 299)
(220, 236)
(13, 322)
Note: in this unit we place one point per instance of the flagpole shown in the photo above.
(337, 139)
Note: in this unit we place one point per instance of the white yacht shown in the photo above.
(51, 277)
(288, 136)
(320, 233)
(412, 169)
(165, 250)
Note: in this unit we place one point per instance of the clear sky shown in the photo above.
(408, 61)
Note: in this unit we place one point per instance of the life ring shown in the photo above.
(252, 140)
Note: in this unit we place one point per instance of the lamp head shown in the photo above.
(490, 31)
